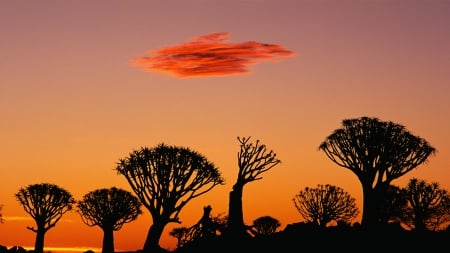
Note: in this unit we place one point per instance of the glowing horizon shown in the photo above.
(73, 101)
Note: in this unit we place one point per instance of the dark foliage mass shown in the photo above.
(165, 178)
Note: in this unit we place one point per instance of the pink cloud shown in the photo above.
(210, 55)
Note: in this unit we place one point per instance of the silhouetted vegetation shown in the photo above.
(264, 226)
(253, 160)
(207, 228)
(377, 152)
(428, 206)
(325, 204)
(1, 213)
(165, 178)
(109, 209)
(45, 203)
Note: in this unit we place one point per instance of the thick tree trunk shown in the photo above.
(108, 240)
(154, 234)
(369, 215)
(236, 225)
(39, 243)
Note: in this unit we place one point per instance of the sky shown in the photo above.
(84, 83)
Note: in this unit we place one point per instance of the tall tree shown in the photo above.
(109, 209)
(46, 203)
(253, 160)
(428, 205)
(377, 152)
(324, 204)
(165, 178)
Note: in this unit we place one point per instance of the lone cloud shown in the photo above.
(209, 55)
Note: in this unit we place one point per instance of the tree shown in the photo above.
(180, 234)
(253, 160)
(265, 226)
(207, 228)
(394, 208)
(165, 178)
(46, 203)
(324, 204)
(428, 205)
(377, 152)
(109, 209)
(1, 214)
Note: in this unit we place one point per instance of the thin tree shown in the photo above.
(428, 205)
(109, 209)
(265, 226)
(324, 204)
(377, 152)
(165, 178)
(1, 213)
(46, 203)
(253, 160)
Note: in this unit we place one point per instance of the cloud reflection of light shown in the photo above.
(210, 55)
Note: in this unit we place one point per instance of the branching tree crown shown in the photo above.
(165, 178)
(45, 203)
(253, 160)
(265, 226)
(377, 152)
(324, 204)
(109, 209)
(428, 205)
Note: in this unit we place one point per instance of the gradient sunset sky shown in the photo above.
(75, 98)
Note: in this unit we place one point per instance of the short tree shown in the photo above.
(265, 226)
(46, 203)
(165, 178)
(428, 205)
(109, 209)
(324, 204)
(377, 152)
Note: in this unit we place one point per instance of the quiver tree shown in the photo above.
(165, 178)
(377, 152)
(253, 160)
(394, 208)
(428, 205)
(109, 209)
(265, 226)
(324, 204)
(45, 203)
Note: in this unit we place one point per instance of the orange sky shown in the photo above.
(72, 105)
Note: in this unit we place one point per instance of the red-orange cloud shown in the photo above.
(209, 55)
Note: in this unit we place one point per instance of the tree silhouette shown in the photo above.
(109, 209)
(428, 205)
(265, 226)
(253, 160)
(165, 178)
(46, 203)
(1, 213)
(377, 152)
(324, 204)
(394, 208)
(180, 234)
(208, 227)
